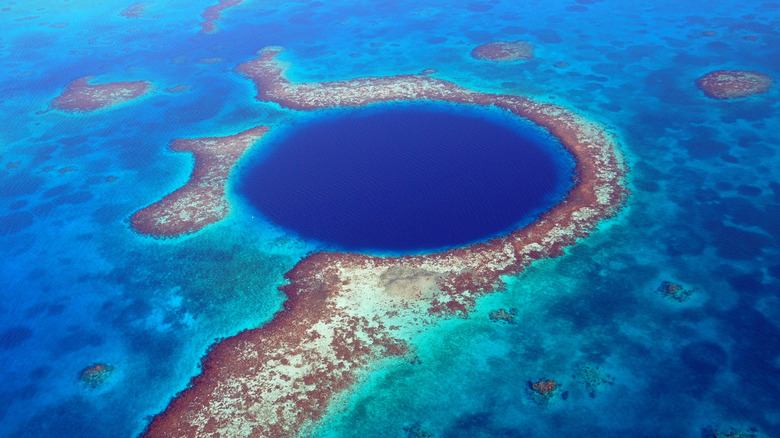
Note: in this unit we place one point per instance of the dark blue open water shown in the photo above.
(407, 177)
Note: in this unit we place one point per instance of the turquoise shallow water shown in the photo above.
(79, 287)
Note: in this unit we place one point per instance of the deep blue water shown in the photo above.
(405, 178)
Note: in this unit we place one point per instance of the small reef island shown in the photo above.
(503, 51)
(81, 96)
(732, 84)
(345, 311)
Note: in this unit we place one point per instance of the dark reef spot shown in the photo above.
(548, 36)
(14, 336)
(514, 30)
(15, 222)
(729, 158)
(44, 308)
(718, 47)
(42, 209)
(436, 40)
(746, 190)
(682, 240)
(704, 360)
(108, 213)
(751, 110)
(21, 185)
(724, 186)
(73, 418)
(305, 18)
(675, 42)
(591, 86)
(56, 191)
(74, 198)
(698, 147)
(608, 69)
(17, 205)
(39, 372)
(479, 7)
(478, 35)
(747, 283)
(202, 108)
(611, 106)
(640, 51)
(757, 345)
(72, 141)
(663, 85)
(736, 244)
(77, 340)
(479, 424)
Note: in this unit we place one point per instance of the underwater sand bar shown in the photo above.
(345, 312)
(201, 201)
(81, 97)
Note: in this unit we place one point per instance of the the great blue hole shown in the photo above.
(407, 178)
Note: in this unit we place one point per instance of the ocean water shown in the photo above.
(407, 178)
(80, 287)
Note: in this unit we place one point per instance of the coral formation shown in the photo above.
(81, 96)
(201, 201)
(593, 378)
(675, 291)
(214, 13)
(503, 315)
(503, 51)
(731, 84)
(135, 10)
(544, 387)
(96, 375)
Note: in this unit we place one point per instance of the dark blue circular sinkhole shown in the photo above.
(407, 178)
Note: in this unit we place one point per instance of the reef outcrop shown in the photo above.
(213, 13)
(136, 10)
(95, 376)
(732, 84)
(503, 51)
(675, 291)
(503, 315)
(82, 97)
(544, 387)
(201, 201)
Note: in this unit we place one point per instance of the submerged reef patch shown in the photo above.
(343, 311)
(675, 291)
(82, 97)
(214, 13)
(544, 387)
(95, 376)
(135, 10)
(503, 51)
(732, 84)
